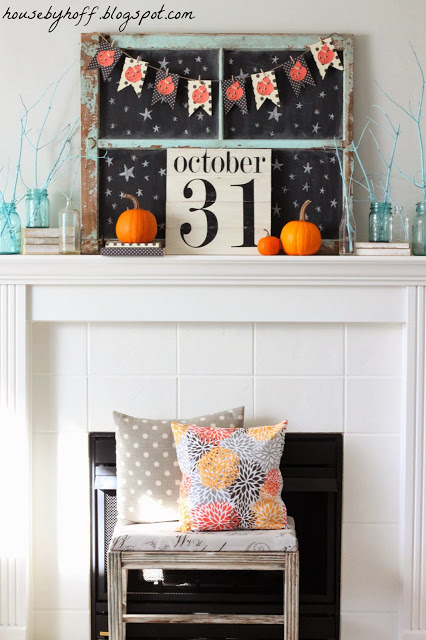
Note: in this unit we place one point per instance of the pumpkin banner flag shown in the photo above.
(298, 73)
(199, 95)
(265, 87)
(133, 75)
(325, 56)
(105, 59)
(234, 92)
(165, 87)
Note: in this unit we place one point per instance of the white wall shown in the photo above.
(31, 57)
(322, 377)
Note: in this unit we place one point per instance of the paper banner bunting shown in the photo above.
(325, 56)
(298, 73)
(165, 88)
(133, 75)
(199, 95)
(105, 59)
(234, 92)
(265, 87)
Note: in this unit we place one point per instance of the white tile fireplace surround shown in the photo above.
(333, 344)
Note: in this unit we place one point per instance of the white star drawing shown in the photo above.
(325, 176)
(336, 87)
(291, 176)
(331, 116)
(180, 61)
(254, 69)
(198, 59)
(284, 189)
(125, 109)
(296, 156)
(200, 115)
(205, 68)
(320, 227)
(318, 209)
(296, 125)
(322, 94)
(299, 105)
(305, 187)
(156, 129)
(109, 178)
(207, 129)
(307, 168)
(272, 133)
(186, 71)
(109, 160)
(277, 165)
(174, 118)
(322, 190)
(257, 125)
(162, 226)
(127, 173)
(162, 172)
(134, 158)
(276, 210)
(108, 192)
(139, 192)
(109, 220)
(146, 178)
(295, 204)
(317, 112)
(122, 195)
(230, 61)
(185, 104)
(128, 132)
(150, 85)
(274, 59)
(146, 114)
(333, 159)
(111, 100)
(232, 128)
(114, 206)
(163, 63)
(155, 197)
(274, 114)
(242, 75)
(321, 161)
(186, 132)
(316, 127)
(145, 163)
(333, 203)
(112, 125)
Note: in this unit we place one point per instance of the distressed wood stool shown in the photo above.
(159, 546)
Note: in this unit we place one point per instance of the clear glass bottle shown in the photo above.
(69, 229)
(418, 243)
(380, 222)
(347, 232)
(38, 208)
(10, 229)
(400, 227)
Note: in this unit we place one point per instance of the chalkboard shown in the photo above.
(135, 135)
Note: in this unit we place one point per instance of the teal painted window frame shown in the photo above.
(93, 146)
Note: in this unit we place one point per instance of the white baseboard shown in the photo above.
(412, 635)
(12, 633)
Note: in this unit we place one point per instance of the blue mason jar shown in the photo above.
(418, 242)
(380, 222)
(10, 229)
(38, 208)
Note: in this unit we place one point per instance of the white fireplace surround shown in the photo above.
(336, 344)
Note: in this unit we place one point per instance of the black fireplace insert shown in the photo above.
(312, 472)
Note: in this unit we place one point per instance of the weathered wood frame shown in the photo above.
(92, 144)
(120, 563)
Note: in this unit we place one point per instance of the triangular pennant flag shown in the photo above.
(199, 95)
(265, 87)
(105, 58)
(165, 88)
(325, 56)
(298, 73)
(133, 75)
(234, 92)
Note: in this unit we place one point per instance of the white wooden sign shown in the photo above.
(218, 200)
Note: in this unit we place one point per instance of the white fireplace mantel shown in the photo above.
(202, 289)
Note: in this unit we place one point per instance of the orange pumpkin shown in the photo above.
(268, 245)
(300, 237)
(136, 225)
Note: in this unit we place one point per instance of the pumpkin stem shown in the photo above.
(267, 232)
(133, 199)
(303, 210)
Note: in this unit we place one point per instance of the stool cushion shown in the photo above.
(164, 537)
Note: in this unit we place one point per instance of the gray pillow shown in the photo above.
(148, 474)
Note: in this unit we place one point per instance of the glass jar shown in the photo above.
(347, 232)
(400, 227)
(69, 229)
(380, 222)
(38, 208)
(10, 229)
(419, 230)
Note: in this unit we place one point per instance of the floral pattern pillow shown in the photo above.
(231, 478)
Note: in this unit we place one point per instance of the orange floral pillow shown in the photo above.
(231, 478)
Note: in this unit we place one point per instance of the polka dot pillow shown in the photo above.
(148, 475)
(231, 478)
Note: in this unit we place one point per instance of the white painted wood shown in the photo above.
(228, 196)
(14, 461)
(198, 618)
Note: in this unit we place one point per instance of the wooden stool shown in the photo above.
(169, 549)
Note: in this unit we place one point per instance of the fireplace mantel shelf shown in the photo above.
(274, 270)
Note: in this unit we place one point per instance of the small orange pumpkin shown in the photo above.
(268, 245)
(136, 225)
(300, 237)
